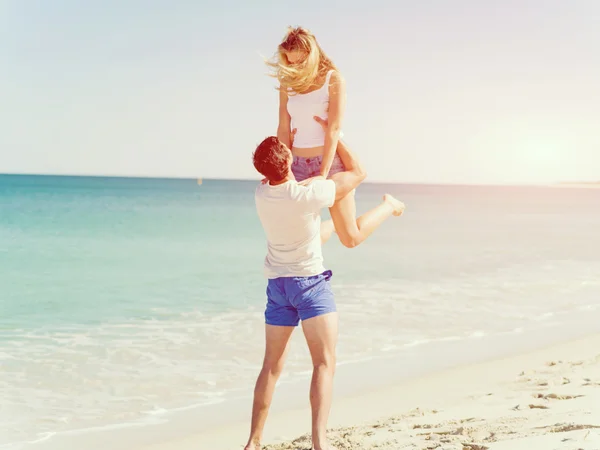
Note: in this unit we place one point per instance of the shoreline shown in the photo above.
(444, 397)
(224, 425)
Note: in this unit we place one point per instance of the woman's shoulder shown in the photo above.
(335, 75)
(336, 80)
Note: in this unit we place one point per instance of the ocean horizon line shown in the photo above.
(375, 182)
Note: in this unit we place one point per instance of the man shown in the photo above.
(298, 284)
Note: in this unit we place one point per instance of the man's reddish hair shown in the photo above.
(271, 158)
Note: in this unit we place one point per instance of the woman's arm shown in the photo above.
(283, 129)
(337, 104)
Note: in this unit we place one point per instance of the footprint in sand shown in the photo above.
(532, 406)
(546, 397)
(564, 428)
(532, 379)
(544, 382)
(556, 396)
(554, 363)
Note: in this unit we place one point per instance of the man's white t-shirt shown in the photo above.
(291, 217)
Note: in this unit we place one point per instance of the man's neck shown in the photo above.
(289, 177)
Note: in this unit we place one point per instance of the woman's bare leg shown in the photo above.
(327, 229)
(353, 231)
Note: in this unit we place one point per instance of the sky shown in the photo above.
(438, 91)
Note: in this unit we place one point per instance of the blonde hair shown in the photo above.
(300, 77)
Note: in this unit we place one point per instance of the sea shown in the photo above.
(122, 299)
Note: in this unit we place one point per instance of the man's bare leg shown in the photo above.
(277, 339)
(321, 334)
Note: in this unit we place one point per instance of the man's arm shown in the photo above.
(344, 182)
(318, 193)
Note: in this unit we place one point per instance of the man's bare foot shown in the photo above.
(252, 446)
(396, 204)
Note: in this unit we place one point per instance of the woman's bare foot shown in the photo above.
(396, 204)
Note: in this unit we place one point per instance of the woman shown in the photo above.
(312, 92)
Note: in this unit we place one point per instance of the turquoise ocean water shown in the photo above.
(121, 299)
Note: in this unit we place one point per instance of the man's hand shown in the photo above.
(323, 122)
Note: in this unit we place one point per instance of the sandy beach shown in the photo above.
(546, 399)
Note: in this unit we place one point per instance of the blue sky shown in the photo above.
(461, 91)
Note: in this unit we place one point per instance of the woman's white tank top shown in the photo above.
(302, 108)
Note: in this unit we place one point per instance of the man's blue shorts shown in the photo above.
(291, 299)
